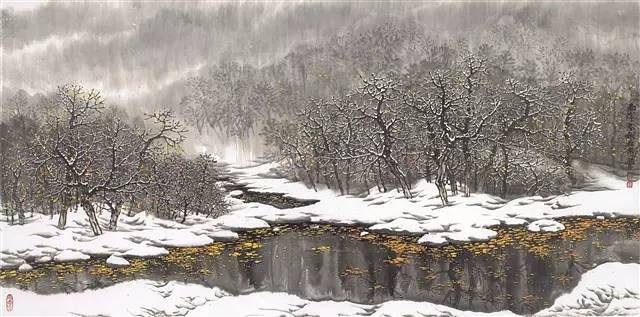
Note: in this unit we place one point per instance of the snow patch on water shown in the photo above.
(545, 225)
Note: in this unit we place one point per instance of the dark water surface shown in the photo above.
(520, 271)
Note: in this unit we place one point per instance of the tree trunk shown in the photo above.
(62, 218)
(347, 179)
(440, 182)
(384, 187)
(427, 171)
(366, 185)
(337, 176)
(452, 182)
(20, 215)
(467, 168)
(568, 170)
(130, 211)
(399, 176)
(467, 182)
(310, 176)
(612, 141)
(93, 219)
(184, 216)
(475, 179)
(113, 220)
(505, 172)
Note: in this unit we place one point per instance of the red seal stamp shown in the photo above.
(9, 302)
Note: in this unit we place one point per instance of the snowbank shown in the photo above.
(465, 219)
(141, 235)
(611, 289)
(115, 261)
(608, 289)
(545, 225)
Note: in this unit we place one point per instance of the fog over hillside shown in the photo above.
(140, 54)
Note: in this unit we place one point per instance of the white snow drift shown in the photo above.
(141, 235)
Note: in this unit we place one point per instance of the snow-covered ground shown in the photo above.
(141, 235)
(467, 218)
(610, 289)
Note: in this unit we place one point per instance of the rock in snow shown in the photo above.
(234, 222)
(69, 255)
(25, 267)
(116, 261)
(432, 239)
(545, 225)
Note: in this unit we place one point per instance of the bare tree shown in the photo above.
(184, 186)
(87, 154)
(577, 123)
(379, 102)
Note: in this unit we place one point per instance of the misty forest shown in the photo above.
(417, 158)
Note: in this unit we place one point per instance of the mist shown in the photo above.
(141, 54)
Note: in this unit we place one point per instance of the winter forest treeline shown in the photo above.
(505, 112)
(75, 151)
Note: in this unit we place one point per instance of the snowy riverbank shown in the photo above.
(466, 219)
(141, 235)
(609, 289)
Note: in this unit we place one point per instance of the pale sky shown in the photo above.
(22, 5)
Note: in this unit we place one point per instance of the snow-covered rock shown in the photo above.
(286, 217)
(223, 235)
(25, 267)
(70, 255)
(545, 225)
(146, 251)
(470, 234)
(400, 225)
(116, 261)
(236, 222)
(433, 239)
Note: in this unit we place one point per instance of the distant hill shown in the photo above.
(140, 53)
